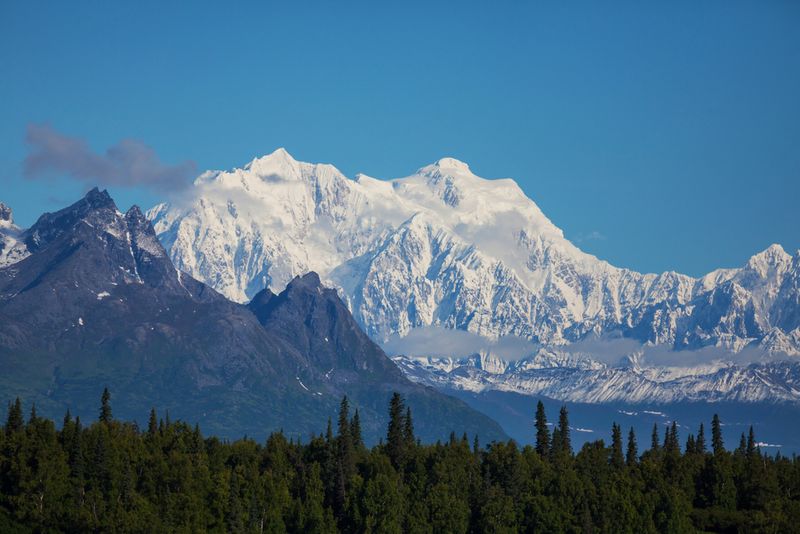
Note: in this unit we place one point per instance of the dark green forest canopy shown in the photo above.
(168, 477)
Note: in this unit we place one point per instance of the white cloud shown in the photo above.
(444, 342)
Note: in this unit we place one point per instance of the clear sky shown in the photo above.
(658, 135)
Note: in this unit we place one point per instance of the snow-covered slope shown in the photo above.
(580, 378)
(12, 249)
(447, 248)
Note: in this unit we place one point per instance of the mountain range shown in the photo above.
(446, 248)
(92, 300)
(463, 280)
(447, 251)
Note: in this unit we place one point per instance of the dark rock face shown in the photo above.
(329, 337)
(5, 213)
(338, 358)
(99, 303)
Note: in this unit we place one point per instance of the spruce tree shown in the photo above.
(345, 440)
(555, 443)
(632, 454)
(617, 460)
(654, 445)
(14, 421)
(105, 406)
(700, 442)
(542, 432)
(691, 444)
(563, 430)
(408, 429)
(671, 444)
(717, 444)
(355, 430)
(152, 423)
(344, 415)
(67, 419)
(75, 459)
(751, 443)
(742, 448)
(395, 434)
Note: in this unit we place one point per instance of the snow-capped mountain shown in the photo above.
(446, 248)
(580, 378)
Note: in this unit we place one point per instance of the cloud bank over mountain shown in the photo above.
(129, 163)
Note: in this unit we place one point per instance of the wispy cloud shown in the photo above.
(129, 163)
(444, 342)
(594, 235)
(614, 350)
(437, 341)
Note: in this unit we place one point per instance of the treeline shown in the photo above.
(112, 476)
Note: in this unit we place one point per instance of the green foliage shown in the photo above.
(542, 432)
(113, 477)
(105, 407)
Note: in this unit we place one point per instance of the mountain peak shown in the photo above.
(96, 208)
(278, 163)
(135, 213)
(771, 256)
(6, 215)
(452, 163)
(99, 199)
(775, 248)
(277, 156)
(446, 167)
(309, 280)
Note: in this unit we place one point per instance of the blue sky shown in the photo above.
(658, 135)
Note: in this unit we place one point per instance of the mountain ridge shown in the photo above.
(444, 247)
(98, 303)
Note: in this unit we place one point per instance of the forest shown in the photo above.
(112, 476)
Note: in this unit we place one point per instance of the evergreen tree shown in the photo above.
(346, 460)
(114, 477)
(742, 448)
(717, 444)
(355, 430)
(408, 429)
(329, 434)
(344, 419)
(671, 443)
(632, 454)
(617, 460)
(14, 421)
(152, 423)
(395, 435)
(654, 445)
(542, 432)
(67, 419)
(555, 443)
(105, 406)
(691, 445)
(752, 448)
(700, 442)
(563, 430)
